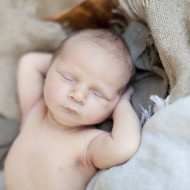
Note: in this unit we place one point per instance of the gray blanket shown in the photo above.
(150, 77)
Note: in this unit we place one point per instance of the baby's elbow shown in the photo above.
(127, 151)
(120, 155)
(24, 59)
(24, 63)
(132, 149)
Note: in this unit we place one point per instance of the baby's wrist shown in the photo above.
(121, 107)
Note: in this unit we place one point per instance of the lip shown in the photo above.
(71, 109)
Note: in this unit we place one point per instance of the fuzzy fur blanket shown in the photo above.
(163, 159)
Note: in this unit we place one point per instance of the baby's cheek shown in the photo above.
(51, 94)
(48, 93)
(99, 113)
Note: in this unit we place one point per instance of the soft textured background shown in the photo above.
(51, 7)
(47, 8)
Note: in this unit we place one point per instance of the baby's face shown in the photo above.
(83, 85)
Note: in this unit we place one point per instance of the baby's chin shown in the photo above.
(65, 121)
(77, 124)
(70, 119)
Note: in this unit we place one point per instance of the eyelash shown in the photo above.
(98, 94)
(95, 92)
(67, 77)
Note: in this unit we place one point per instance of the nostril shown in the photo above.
(71, 96)
(77, 97)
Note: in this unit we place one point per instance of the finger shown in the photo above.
(128, 93)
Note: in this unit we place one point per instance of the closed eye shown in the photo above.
(98, 94)
(67, 77)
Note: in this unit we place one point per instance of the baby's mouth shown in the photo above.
(71, 110)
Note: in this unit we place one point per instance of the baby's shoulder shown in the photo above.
(91, 133)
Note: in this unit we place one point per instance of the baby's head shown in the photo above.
(87, 76)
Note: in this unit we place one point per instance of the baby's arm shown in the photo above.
(32, 70)
(110, 149)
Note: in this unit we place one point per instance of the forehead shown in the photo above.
(90, 45)
(80, 54)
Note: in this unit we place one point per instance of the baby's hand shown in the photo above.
(127, 94)
(122, 102)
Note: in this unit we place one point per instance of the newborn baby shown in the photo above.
(62, 97)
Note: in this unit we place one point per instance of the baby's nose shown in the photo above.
(79, 94)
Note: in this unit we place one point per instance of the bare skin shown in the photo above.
(58, 147)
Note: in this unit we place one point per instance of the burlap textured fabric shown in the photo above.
(169, 23)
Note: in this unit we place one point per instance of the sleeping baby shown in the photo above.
(62, 97)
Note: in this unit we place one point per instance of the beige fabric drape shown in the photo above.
(169, 23)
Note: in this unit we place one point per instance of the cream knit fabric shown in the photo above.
(169, 23)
